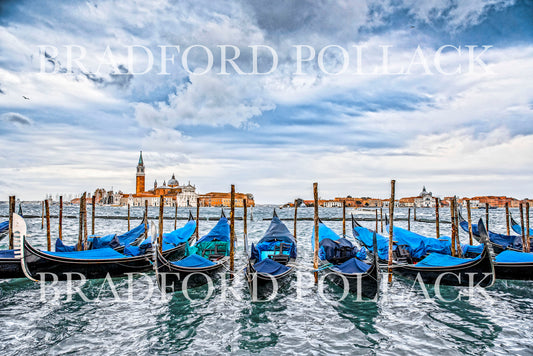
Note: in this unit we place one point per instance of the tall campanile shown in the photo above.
(139, 186)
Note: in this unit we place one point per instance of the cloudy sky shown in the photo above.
(459, 121)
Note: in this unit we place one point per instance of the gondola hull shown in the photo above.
(263, 285)
(514, 271)
(365, 284)
(39, 264)
(172, 278)
(10, 268)
(474, 273)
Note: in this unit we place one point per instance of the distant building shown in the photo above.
(218, 199)
(173, 193)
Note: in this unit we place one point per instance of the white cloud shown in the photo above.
(208, 100)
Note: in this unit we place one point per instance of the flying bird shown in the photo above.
(25, 97)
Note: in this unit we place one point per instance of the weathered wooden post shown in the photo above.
(528, 241)
(128, 216)
(409, 219)
(160, 236)
(80, 231)
(146, 209)
(507, 218)
(146, 217)
(175, 214)
(42, 214)
(197, 218)
(376, 221)
(85, 224)
(457, 238)
(391, 225)
(452, 217)
(381, 217)
(437, 217)
(93, 213)
(522, 227)
(487, 215)
(47, 212)
(245, 217)
(470, 232)
(10, 229)
(295, 218)
(315, 220)
(344, 218)
(232, 231)
(60, 217)
(414, 212)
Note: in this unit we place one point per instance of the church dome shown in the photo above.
(173, 182)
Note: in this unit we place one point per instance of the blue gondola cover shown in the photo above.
(269, 266)
(514, 257)
(440, 260)
(366, 237)
(7, 253)
(219, 233)
(194, 261)
(353, 265)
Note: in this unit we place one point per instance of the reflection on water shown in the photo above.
(401, 321)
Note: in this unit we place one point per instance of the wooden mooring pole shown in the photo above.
(128, 216)
(85, 230)
(470, 232)
(245, 217)
(47, 212)
(391, 225)
(452, 218)
(160, 235)
(197, 218)
(80, 230)
(507, 222)
(381, 218)
(528, 241)
(232, 231)
(60, 228)
(522, 227)
(487, 216)
(344, 218)
(93, 213)
(437, 217)
(295, 218)
(409, 219)
(315, 221)
(10, 228)
(175, 214)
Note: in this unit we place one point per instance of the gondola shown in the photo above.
(499, 242)
(117, 242)
(91, 264)
(270, 258)
(338, 258)
(203, 262)
(514, 265)
(453, 271)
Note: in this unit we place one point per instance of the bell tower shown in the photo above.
(139, 178)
